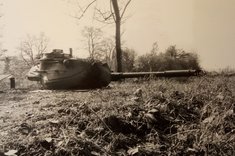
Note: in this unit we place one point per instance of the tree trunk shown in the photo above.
(118, 35)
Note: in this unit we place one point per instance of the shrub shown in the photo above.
(128, 59)
(172, 59)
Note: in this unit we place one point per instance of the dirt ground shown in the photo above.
(163, 116)
(20, 105)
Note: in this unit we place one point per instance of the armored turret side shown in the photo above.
(60, 71)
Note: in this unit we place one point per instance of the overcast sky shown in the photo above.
(204, 26)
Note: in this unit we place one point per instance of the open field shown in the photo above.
(155, 117)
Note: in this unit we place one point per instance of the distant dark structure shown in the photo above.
(61, 71)
(10, 77)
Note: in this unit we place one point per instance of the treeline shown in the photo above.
(171, 59)
(103, 48)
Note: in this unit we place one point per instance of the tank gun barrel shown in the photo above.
(170, 73)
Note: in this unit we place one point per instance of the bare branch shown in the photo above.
(125, 19)
(32, 48)
(124, 10)
(25, 60)
(103, 14)
(79, 6)
(87, 7)
(103, 21)
(111, 10)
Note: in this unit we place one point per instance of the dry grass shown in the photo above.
(156, 117)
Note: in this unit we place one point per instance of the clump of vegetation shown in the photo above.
(156, 117)
(171, 59)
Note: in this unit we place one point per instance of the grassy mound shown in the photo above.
(156, 117)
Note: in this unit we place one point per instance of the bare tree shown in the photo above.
(99, 47)
(32, 48)
(115, 13)
(107, 48)
(93, 38)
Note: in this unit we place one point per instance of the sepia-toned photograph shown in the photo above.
(117, 78)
